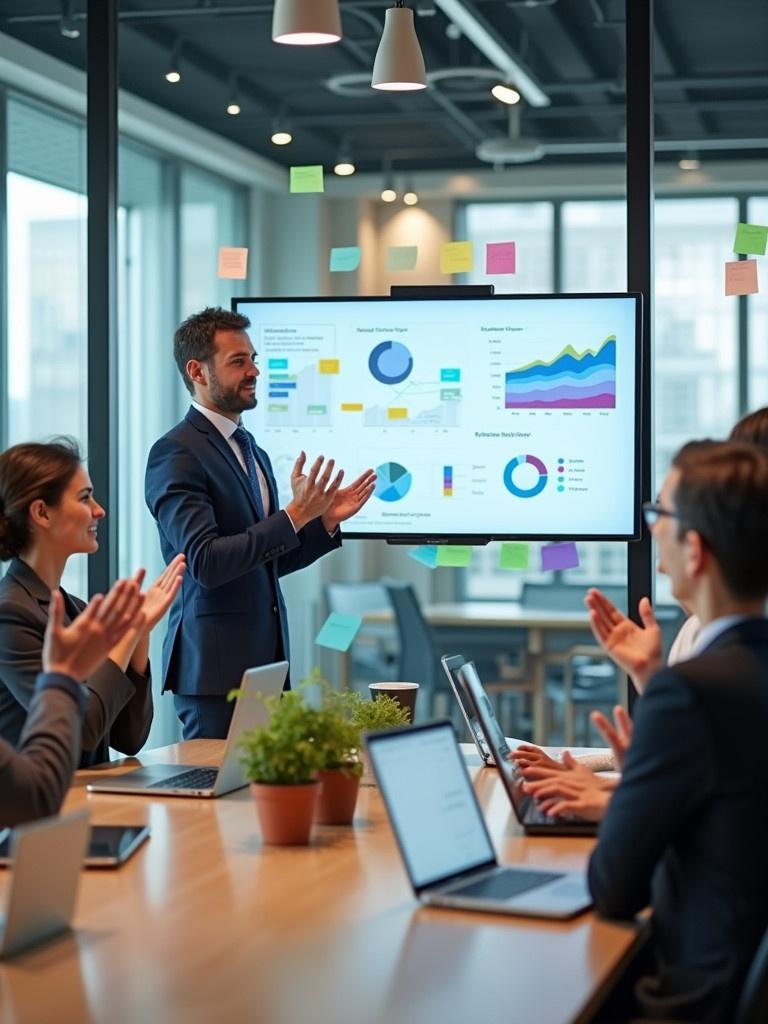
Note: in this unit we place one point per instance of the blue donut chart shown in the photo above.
(390, 362)
(525, 492)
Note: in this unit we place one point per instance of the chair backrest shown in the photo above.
(753, 1003)
(567, 596)
(353, 598)
(419, 661)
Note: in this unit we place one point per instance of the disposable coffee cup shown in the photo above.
(403, 693)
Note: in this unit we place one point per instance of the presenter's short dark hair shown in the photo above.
(722, 494)
(194, 339)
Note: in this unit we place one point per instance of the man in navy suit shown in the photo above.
(211, 490)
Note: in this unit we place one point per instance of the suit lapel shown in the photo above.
(261, 458)
(27, 578)
(222, 447)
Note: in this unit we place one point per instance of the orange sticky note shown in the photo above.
(233, 263)
(741, 277)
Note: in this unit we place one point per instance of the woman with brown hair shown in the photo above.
(47, 513)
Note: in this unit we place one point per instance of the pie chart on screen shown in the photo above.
(393, 481)
(390, 362)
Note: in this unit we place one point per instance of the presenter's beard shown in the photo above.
(237, 399)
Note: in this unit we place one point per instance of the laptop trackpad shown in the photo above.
(567, 895)
(151, 773)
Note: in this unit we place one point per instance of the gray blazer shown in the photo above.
(119, 708)
(35, 778)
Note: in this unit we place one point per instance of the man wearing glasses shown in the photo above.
(687, 828)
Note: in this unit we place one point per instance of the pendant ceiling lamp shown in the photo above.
(306, 22)
(399, 63)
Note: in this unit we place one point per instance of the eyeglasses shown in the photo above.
(653, 511)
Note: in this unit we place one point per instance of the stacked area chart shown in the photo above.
(572, 380)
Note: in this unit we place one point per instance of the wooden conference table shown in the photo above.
(540, 625)
(204, 924)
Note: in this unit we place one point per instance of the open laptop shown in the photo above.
(451, 664)
(530, 816)
(41, 893)
(443, 838)
(198, 781)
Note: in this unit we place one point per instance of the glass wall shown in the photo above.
(757, 318)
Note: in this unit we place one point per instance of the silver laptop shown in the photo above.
(451, 664)
(194, 780)
(527, 812)
(442, 835)
(41, 893)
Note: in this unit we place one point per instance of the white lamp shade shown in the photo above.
(399, 64)
(306, 22)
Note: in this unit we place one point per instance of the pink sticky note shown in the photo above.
(500, 258)
(233, 263)
(559, 556)
(741, 277)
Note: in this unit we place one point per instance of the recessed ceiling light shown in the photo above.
(388, 195)
(506, 93)
(344, 168)
(233, 109)
(689, 163)
(410, 199)
(279, 138)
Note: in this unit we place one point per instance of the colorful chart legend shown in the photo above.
(572, 380)
(447, 481)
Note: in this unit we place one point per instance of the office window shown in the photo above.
(757, 316)
(595, 246)
(529, 226)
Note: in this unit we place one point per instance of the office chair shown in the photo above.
(419, 661)
(753, 1002)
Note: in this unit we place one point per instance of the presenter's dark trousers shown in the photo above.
(203, 718)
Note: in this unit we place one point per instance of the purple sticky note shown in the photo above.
(500, 258)
(559, 556)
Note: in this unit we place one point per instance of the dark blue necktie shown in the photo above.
(245, 443)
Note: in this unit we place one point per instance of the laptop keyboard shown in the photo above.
(505, 884)
(195, 778)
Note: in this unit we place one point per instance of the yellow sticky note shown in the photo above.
(307, 179)
(329, 366)
(233, 263)
(741, 277)
(456, 258)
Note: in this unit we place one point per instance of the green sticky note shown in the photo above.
(338, 631)
(425, 555)
(513, 555)
(344, 258)
(402, 257)
(751, 239)
(454, 556)
(307, 179)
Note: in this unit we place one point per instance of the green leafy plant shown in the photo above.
(285, 752)
(337, 736)
(382, 713)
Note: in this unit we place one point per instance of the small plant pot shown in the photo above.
(338, 796)
(285, 812)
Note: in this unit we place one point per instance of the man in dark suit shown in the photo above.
(687, 828)
(213, 495)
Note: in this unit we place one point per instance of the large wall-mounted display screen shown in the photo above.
(498, 417)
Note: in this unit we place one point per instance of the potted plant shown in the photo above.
(374, 715)
(282, 761)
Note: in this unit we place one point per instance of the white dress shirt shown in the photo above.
(226, 428)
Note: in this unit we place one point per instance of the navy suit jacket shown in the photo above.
(229, 614)
(687, 828)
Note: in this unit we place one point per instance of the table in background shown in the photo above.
(204, 924)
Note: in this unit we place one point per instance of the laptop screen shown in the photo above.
(431, 803)
(452, 664)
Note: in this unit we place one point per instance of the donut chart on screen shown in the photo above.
(509, 476)
(390, 362)
(393, 481)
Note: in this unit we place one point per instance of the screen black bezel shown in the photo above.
(469, 537)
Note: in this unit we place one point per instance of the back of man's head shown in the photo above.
(195, 338)
(722, 494)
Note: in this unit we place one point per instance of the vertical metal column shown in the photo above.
(102, 281)
(640, 200)
(742, 324)
(5, 387)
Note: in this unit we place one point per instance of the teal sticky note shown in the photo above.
(513, 555)
(425, 555)
(344, 258)
(307, 179)
(454, 556)
(338, 631)
(402, 257)
(751, 239)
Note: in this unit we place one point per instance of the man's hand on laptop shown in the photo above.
(571, 790)
(635, 649)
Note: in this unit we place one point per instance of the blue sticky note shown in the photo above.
(338, 631)
(426, 555)
(344, 258)
(559, 556)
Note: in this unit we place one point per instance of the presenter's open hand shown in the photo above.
(313, 492)
(635, 649)
(577, 790)
(79, 649)
(618, 735)
(349, 500)
(159, 597)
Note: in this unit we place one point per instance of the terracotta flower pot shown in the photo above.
(285, 812)
(338, 796)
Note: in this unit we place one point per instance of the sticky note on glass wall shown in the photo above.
(456, 258)
(307, 179)
(751, 239)
(425, 555)
(500, 258)
(338, 631)
(454, 556)
(741, 277)
(514, 555)
(402, 257)
(233, 263)
(344, 258)
(559, 556)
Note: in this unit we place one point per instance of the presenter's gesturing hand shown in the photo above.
(313, 492)
(635, 649)
(349, 500)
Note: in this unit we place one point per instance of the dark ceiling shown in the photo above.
(711, 77)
